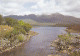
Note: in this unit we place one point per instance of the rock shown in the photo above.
(56, 40)
(27, 33)
(51, 48)
(70, 47)
(57, 55)
(64, 51)
(1, 48)
(53, 45)
(50, 55)
(54, 55)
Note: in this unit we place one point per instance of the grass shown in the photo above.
(20, 37)
(75, 53)
(64, 37)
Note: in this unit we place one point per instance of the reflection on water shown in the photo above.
(38, 45)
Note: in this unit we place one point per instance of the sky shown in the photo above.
(25, 7)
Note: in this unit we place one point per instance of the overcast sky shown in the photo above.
(24, 7)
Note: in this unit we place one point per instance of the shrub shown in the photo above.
(18, 29)
(64, 37)
(27, 27)
(5, 31)
(76, 53)
(20, 22)
(75, 28)
(20, 37)
(22, 31)
(15, 32)
(11, 22)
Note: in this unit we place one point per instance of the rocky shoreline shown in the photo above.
(66, 44)
(28, 36)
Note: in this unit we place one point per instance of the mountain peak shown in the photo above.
(56, 14)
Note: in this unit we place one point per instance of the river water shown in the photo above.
(38, 45)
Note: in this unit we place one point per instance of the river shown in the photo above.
(38, 45)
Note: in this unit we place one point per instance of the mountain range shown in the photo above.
(55, 18)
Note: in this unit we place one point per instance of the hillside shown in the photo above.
(53, 18)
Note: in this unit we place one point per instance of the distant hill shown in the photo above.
(56, 18)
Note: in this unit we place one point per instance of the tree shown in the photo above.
(18, 30)
(21, 22)
(1, 19)
(27, 27)
(11, 22)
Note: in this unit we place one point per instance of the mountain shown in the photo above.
(55, 18)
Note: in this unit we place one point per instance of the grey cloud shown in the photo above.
(67, 7)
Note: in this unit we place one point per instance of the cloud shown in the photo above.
(22, 7)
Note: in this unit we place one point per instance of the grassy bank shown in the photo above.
(27, 38)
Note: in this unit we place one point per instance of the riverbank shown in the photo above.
(27, 38)
(67, 44)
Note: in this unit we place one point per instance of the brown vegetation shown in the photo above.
(75, 28)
